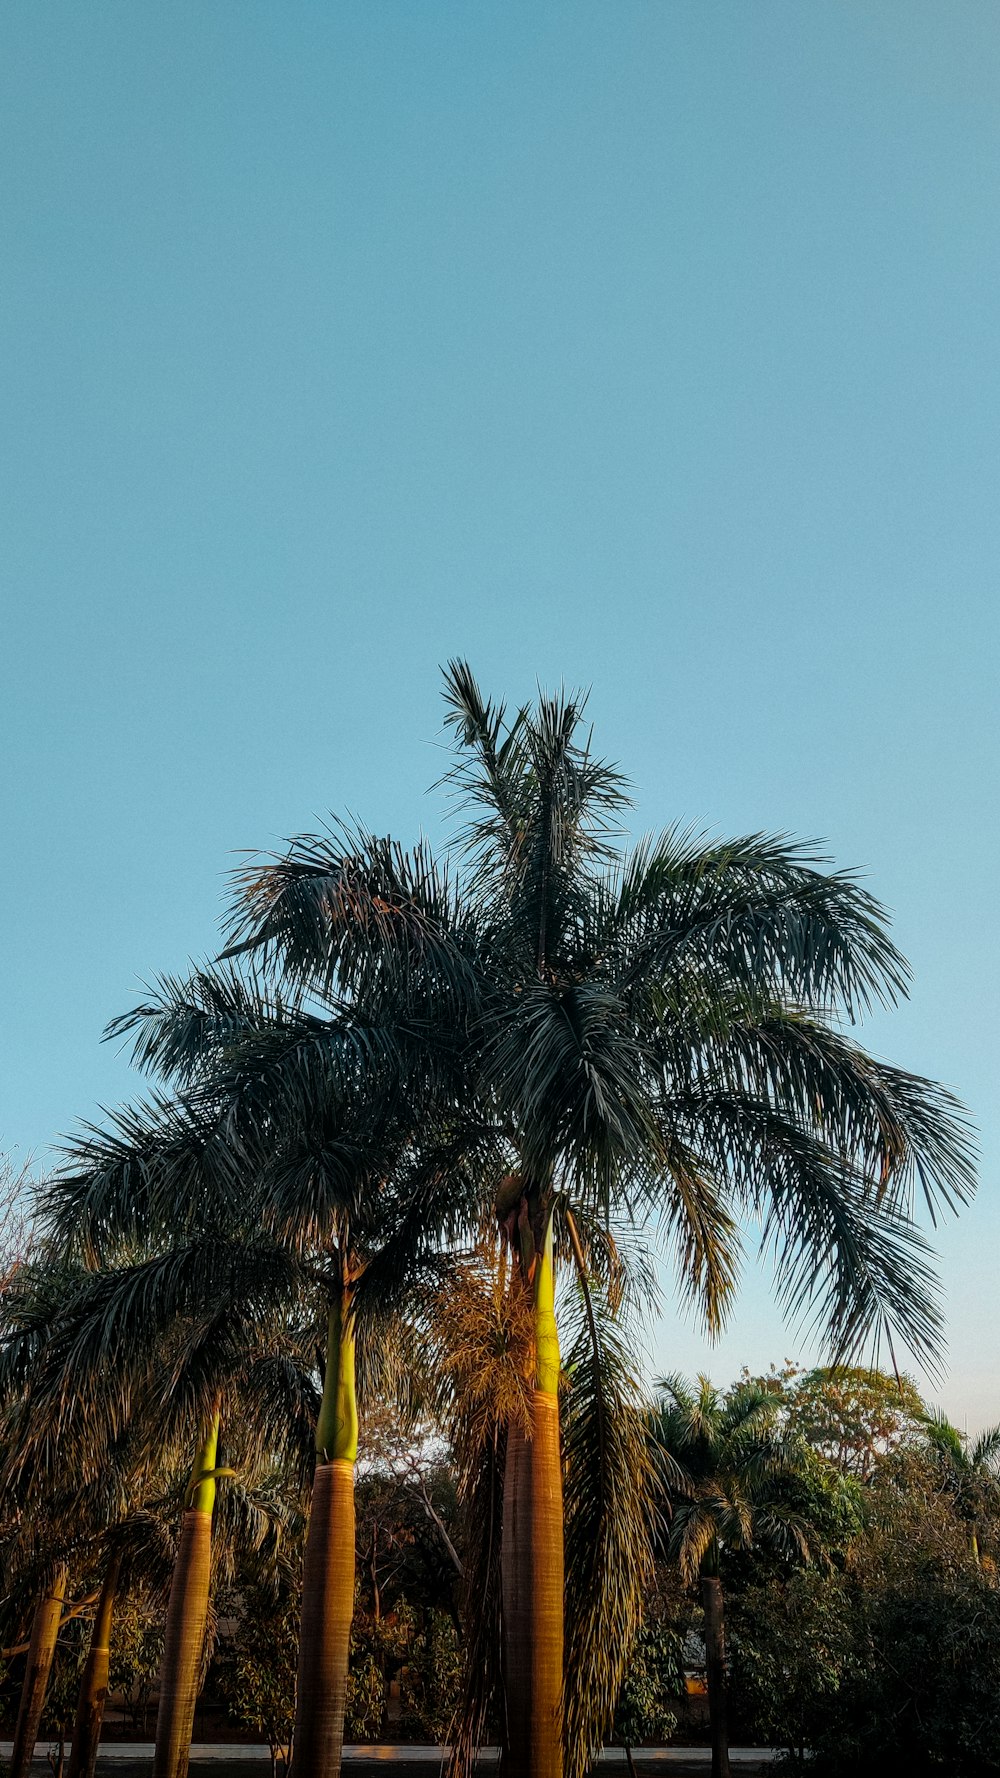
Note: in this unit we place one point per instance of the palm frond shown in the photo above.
(757, 911)
(186, 1025)
(157, 1170)
(348, 913)
(609, 1527)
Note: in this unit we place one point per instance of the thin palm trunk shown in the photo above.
(533, 1555)
(187, 1615)
(94, 1684)
(328, 1568)
(41, 1648)
(715, 1672)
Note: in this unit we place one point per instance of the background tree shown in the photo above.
(888, 1664)
(854, 1416)
(723, 1461)
(968, 1471)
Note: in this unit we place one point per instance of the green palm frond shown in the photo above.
(618, 1258)
(849, 1263)
(609, 1528)
(186, 1025)
(945, 1442)
(157, 1169)
(884, 1123)
(758, 911)
(346, 912)
(113, 1329)
(481, 1463)
(984, 1455)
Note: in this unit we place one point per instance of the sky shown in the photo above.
(648, 346)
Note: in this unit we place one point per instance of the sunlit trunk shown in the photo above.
(715, 1665)
(533, 1553)
(94, 1684)
(328, 1569)
(187, 1615)
(41, 1648)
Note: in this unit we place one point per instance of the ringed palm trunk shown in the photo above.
(328, 1567)
(94, 1684)
(533, 1555)
(187, 1614)
(715, 1672)
(41, 1648)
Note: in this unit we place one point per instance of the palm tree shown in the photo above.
(969, 1473)
(134, 1551)
(100, 1400)
(647, 1033)
(48, 1616)
(350, 1207)
(724, 1463)
(556, 1033)
(656, 1030)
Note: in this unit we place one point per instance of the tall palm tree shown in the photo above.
(968, 1472)
(656, 1029)
(334, 1217)
(551, 1022)
(723, 1463)
(652, 1032)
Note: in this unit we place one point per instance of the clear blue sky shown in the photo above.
(647, 345)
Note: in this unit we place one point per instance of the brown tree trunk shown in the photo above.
(547, 1588)
(715, 1673)
(94, 1684)
(328, 1568)
(532, 1556)
(187, 1615)
(325, 1633)
(41, 1648)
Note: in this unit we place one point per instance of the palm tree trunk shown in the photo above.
(94, 1684)
(328, 1568)
(187, 1614)
(515, 1587)
(41, 1648)
(533, 1555)
(715, 1664)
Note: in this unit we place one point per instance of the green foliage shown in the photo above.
(792, 1645)
(853, 1417)
(365, 1694)
(431, 1680)
(890, 1666)
(654, 1678)
(256, 1668)
(135, 1656)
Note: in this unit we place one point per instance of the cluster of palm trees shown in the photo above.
(413, 1137)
